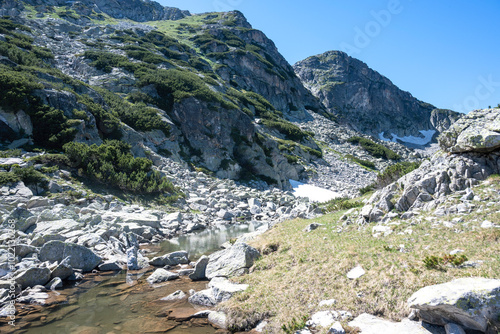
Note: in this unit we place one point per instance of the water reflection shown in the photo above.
(207, 241)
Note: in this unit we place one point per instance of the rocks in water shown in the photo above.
(451, 328)
(132, 261)
(234, 261)
(32, 276)
(55, 283)
(203, 298)
(223, 289)
(218, 319)
(219, 290)
(200, 268)
(63, 270)
(171, 259)
(472, 303)
(177, 295)
(110, 266)
(356, 272)
(80, 257)
(161, 275)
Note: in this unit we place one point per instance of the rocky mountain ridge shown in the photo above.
(135, 10)
(367, 101)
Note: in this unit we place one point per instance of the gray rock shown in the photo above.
(223, 289)
(110, 266)
(132, 260)
(356, 272)
(22, 219)
(336, 328)
(233, 261)
(203, 298)
(218, 319)
(200, 268)
(370, 324)
(312, 227)
(22, 250)
(469, 302)
(32, 276)
(451, 328)
(63, 270)
(55, 283)
(177, 295)
(170, 259)
(477, 131)
(323, 319)
(80, 257)
(161, 275)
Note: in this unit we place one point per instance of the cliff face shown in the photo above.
(204, 89)
(369, 102)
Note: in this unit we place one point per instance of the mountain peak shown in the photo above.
(135, 10)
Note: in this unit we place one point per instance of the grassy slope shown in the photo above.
(310, 267)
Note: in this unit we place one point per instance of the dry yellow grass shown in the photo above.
(309, 267)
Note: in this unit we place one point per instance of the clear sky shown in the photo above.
(444, 52)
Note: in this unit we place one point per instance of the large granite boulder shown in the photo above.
(80, 257)
(32, 276)
(234, 261)
(473, 303)
(200, 269)
(170, 259)
(161, 275)
(478, 131)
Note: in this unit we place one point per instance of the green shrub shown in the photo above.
(394, 172)
(10, 153)
(294, 325)
(291, 158)
(29, 175)
(343, 203)
(112, 163)
(291, 131)
(8, 177)
(366, 163)
(436, 262)
(138, 116)
(146, 56)
(175, 85)
(51, 160)
(376, 150)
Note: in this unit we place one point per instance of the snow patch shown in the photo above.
(315, 194)
(428, 134)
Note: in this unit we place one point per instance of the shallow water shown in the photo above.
(105, 303)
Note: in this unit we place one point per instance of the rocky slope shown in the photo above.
(214, 70)
(468, 155)
(367, 101)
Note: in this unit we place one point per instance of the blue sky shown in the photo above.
(443, 52)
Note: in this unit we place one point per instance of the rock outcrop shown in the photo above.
(469, 154)
(473, 303)
(478, 131)
(234, 261)
(369, 102)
